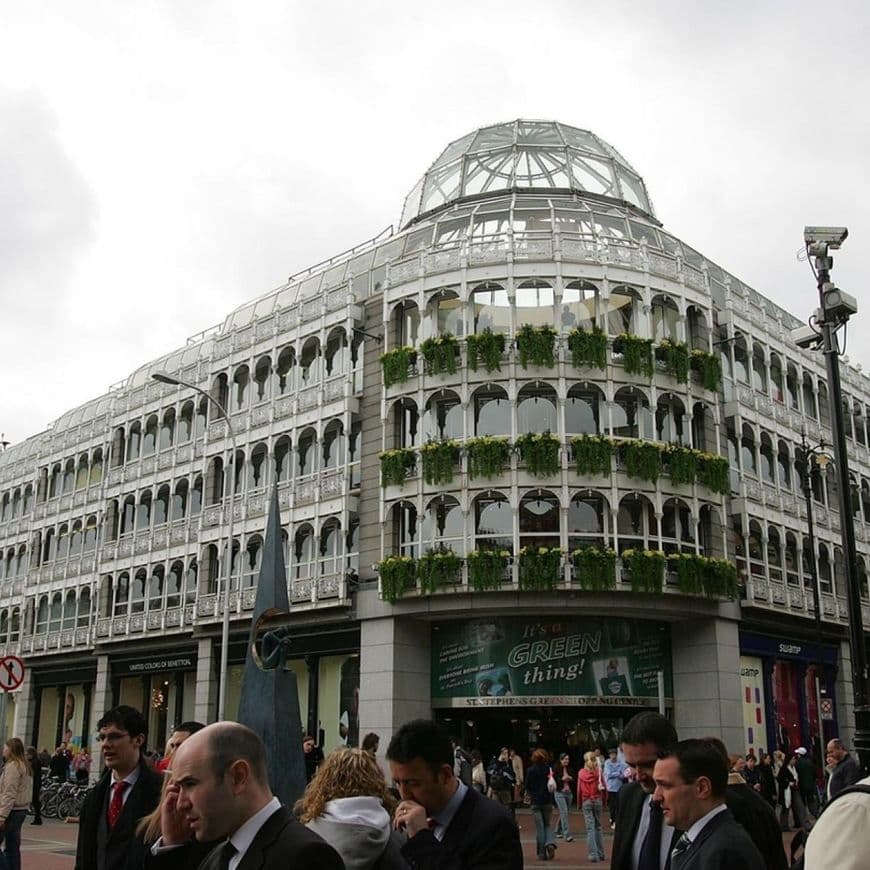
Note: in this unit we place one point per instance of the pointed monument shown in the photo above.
(270, 696)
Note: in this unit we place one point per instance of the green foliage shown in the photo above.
(709, 369)
(486, 347)
(536, 346)
(487, 456)
(714, 472)
(396, 365)
(395, 465)
(676, 358)
(437, 569)
(440, 354)
(486, 569)
(588, 348)
(439, 458)
(647, 569)
(637, 354)
(682, 464)
(642, 459)
(540, 567)
(720, 579)
(397, 576)
(540, 452)
(595, 569)
(698, 575)
(592, 454)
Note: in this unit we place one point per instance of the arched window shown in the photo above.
(283, 458)
(185, 423)
(406, 420)
(155, 589)
(137, 592)
(134, 441)
(215, 480)
(579, 306)
(582, 410)
(792, 574)
(143, 510)
(118, 449)
(333, 445)
(82, 472)
(90, 537)
(768, 469)
(201, 418)
(748, 460)
(588, 516)
(741, 360)
(443, 526)
(241, 383)
(536, 409)
(220, 390)
(307, 454)
(405, 322)
(759, 369)
(252, 560)
(808, 396)
(791, 387)
(631, 415)
(191, 582)
(263, 379)
(677, 533)
(336, 357)
(492, 411)
(774, 554)
(858, 423)
(665, 317)
(68, 622)
(442, 417)
(825, 576)
(636, 524)
(106, 596)
(621, 306)
(75, 540)
(699, 331)
(669, 419)
(55, 612)
(783, 466)
(28, 500)
(777, 391)
(56, 481)
(285, 371)
(539, 519)
(493, 522)
(211, 568)
(161, 505)
(42, 616)
(824, 407)
(445, 313)
(96, 474)
(149, 441)
(535, 304)
(491, 307)
(331, 557)
(303, 552)
(309, 362)
(757, 552)
(50, 546)
(167, 429)
(174, 584)
(257, 468)
(405, 534)
(178, 508)
(69, 476)
(62, 542)
(196, 497)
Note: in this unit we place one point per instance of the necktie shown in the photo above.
(226, 854)
(117, 803)
(650, 850)
(682, 845)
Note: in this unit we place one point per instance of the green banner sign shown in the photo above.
(510, 661)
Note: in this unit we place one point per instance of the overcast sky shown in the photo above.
(163, 162)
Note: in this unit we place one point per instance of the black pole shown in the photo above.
(847, 528)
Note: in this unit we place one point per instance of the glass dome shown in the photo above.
(526, 155)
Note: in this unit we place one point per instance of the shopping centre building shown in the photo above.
(538, 463)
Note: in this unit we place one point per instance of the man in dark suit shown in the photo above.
(223, 794)
(128, 790)
(691, 778)
(846, 773)
(643, 841)
(449, 825)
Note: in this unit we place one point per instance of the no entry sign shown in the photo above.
(11, 673)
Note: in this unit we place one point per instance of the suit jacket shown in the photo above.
(846, 773)
(143, 798)
(721, 845)
(481, 836)
(756, 816)
(631, 800)
(282, 843)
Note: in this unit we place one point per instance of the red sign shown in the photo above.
(11, 673)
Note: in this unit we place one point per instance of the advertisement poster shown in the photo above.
(752, 688)
(511, 661)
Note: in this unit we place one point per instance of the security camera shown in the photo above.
(831, 237)
(805, 337)
(837, 304)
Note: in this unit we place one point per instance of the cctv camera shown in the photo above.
(837, 304)
(831, 237)
(805, 337)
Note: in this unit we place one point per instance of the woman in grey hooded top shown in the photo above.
(348, 804)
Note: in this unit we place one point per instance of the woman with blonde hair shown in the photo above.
(16, 791)
(589, 797)
(348, 804)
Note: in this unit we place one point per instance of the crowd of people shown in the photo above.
(671, 804)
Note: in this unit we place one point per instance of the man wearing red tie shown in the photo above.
(127, 791)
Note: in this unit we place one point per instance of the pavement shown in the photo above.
(52, 846)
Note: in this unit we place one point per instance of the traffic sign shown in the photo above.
(11, 673)
(827, 709)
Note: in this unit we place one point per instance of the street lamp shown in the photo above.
(165, 378)
(821, 459)
(835, 309)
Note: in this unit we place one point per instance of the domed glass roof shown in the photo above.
(526, 155)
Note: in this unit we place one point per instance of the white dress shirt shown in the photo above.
(243, 838)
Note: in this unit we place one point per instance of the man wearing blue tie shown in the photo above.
(690, 778)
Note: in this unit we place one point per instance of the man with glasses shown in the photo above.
(127, 791)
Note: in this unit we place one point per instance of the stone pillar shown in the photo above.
(205, 699)
(845, 699)
(23, 724)
(102, 701)
(707, 701)
(394, 675)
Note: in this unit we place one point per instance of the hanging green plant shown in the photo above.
(486, 347)
(438, 459)
(440, 354)
(641, 459)
(540, 568)
(438, 569)
(594, 569)
(536, 346)
(396, 365)
(592, 454)
(675, 355)
(682, 464)
(540, 452)
(637, 354)
(709, 369)
(588, 348)
(689, 568)
(487, 456)
(720, 579)
(395, 465)
(486, 569)
(647, 569)
(714, 472)
(397, 576)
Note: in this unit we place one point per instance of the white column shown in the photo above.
(206, 686)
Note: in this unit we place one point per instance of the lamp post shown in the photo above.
(165, 378)
(835, 309)
(821, 459)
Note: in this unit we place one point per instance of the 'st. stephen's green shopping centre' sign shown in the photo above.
(508, 662)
